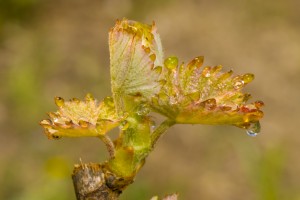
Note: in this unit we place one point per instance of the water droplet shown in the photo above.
(89, 97)
(171, 62)
(83, 124)
(251, 133)
(253, 129)
(247, 78)
(125, 125)
(109, 101)
(60, 102)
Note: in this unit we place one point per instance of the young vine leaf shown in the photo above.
(191, 94)
(77, 118)
(136, 58)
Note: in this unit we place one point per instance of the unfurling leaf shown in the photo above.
(77, 118)
(193, 95)
(135, 59)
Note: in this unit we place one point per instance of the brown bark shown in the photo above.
(95, 182)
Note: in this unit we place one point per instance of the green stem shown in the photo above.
(160, 130)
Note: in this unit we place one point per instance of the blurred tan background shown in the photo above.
(59, 48)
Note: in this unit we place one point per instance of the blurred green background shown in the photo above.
(60, 48)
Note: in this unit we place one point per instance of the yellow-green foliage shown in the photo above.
(142, 81)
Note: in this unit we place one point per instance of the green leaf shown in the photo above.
(77, 118)
(193, 95)
(135, 54)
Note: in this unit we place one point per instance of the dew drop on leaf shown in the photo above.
(253, 129)
(171, 62)
(60, 102)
